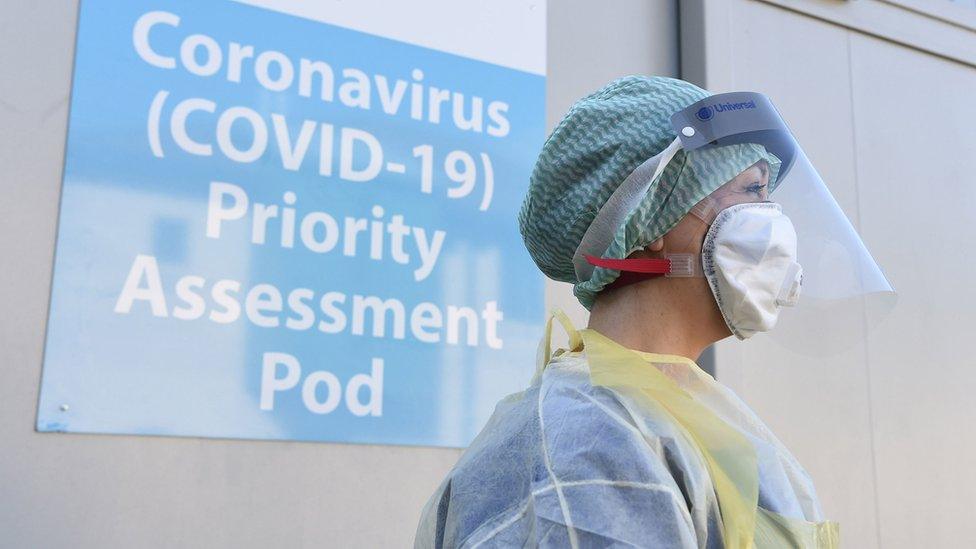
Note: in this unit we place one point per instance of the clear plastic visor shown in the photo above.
(844, 291)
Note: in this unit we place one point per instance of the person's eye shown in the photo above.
(756, 188)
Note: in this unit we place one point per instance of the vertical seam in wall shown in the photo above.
(678, 42)
(731, 43)
(864, 322)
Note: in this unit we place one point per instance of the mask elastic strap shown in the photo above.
(672, 265)
(636, 265)
(615, 210)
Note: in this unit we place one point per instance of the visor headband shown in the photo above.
(615, 210)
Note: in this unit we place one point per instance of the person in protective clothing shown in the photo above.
(655, 204)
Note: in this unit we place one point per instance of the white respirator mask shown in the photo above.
(749, 260)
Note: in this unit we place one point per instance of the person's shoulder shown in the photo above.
(588, 431)
(566, 391)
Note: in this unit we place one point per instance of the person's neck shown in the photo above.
(656, 316)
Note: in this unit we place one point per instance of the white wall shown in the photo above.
(65, 490)
(881, 94)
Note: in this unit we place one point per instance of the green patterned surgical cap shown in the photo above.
(604, 137)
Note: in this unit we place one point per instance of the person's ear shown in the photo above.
(657, 245)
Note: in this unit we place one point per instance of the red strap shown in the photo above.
(645, 266)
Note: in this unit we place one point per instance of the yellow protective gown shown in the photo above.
(614, 447)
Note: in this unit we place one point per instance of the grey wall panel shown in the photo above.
(816, 405)
(916, 141)
(60, 490)
(589, 45)
(883, 427)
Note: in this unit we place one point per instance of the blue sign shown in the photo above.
(273, 227)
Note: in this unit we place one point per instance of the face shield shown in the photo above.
(844, 292)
